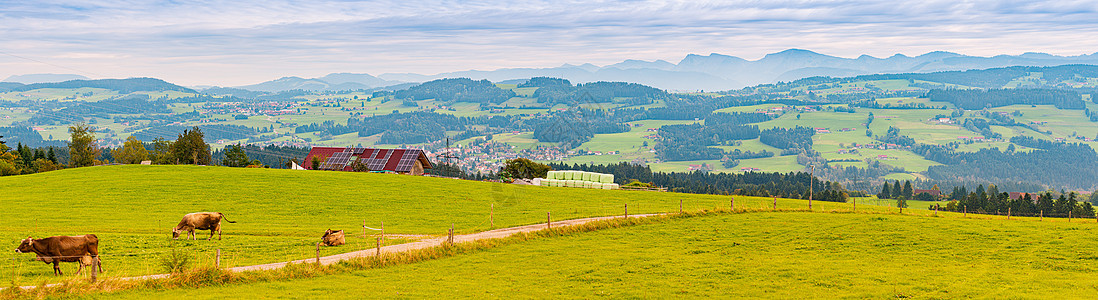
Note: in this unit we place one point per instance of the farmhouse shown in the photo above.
(403, 161)
(932, 192)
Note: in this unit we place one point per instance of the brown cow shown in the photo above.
(333, 238)
(201, 221)
(57, 249)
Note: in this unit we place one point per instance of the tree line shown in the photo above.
(787, 185)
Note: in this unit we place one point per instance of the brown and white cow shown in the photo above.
(333, 238)
(56, 249)
(202, 221)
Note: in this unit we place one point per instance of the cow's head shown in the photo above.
(175, 233)
(25, 246)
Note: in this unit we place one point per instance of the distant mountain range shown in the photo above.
(713, 72)
(43, 78)
(706, 72)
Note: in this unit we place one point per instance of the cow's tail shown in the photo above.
(225, 218)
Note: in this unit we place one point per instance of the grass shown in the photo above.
(280, 213)
(745, 255)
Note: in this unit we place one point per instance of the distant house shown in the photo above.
(403, 161)
(1020, 196)
(934, 193)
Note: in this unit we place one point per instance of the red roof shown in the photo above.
(396, 160)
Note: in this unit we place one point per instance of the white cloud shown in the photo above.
(241, 42)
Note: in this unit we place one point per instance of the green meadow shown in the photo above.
(744, 255)
(280, 213)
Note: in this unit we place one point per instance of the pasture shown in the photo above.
(280, 213)
(745, 255)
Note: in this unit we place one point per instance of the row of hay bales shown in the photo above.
(579, 179)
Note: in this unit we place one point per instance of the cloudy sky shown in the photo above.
(229, 43)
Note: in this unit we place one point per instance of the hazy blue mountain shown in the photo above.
(43, 78)
(708, 72)
(334, 81)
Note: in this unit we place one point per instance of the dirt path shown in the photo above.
(423, 244)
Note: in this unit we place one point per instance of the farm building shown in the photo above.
(403, 161)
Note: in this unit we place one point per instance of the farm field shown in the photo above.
(280, 213)
(746, 255)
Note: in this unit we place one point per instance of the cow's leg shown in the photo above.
(80, 270)
(211, 234)
(192, 234)
(56, 268)
(218, 228)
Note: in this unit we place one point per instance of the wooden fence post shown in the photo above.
(318, 252)
(95, 268)
(1009, 210)
(217, 259)
(855, 203)
(378, 247)
(966, 211)
(548, 220)
(775, 203)
(627, 210)
(680, 207)
(1042, 215)
(1069, 216)
(936, 210)
(451, 234)
(382, 228)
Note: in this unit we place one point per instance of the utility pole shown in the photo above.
(811, 180)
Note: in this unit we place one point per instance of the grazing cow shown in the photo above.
(333, 238)
(56, 249)
(202, 221)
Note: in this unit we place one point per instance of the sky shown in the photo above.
(231, 43)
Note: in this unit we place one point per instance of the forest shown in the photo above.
(457, 90)
(561, 91)
(1060, 164)
(971, 99)
(788, 185)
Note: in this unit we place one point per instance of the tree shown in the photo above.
(908, 192)
(82, 146)
(525, 168)
(897, 190)
(236, 157)
(162, 152)
(190, 147)
(886, 191)
(132, 152)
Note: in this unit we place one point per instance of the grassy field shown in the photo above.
(747, 255)
(280, 213)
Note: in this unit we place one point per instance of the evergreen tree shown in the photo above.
(1044, 203)
(908, 191)
(235, 157)
(886, 191)
(897, 190)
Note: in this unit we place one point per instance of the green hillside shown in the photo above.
(280, 213)
(750, 255)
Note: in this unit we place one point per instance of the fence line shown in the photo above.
(222, 255)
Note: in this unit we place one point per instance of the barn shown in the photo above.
(403, 161)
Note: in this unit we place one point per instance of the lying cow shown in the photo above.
(56, 249)
(333, 238)
(202, 221)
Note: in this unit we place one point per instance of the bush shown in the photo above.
(175, 261)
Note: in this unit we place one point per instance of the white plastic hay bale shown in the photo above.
(606, 178)
(596, 177)
(614, 186)
(606, 186)
(551, 175)
(585, 176)
(536, 181)
(596, 185)
(587, 184)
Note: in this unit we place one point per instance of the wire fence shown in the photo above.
(237, 250)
